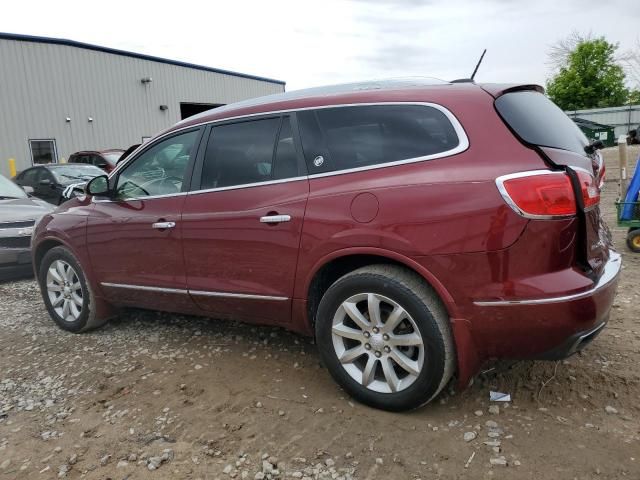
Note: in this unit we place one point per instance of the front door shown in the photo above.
(241, 228)
(134, 237)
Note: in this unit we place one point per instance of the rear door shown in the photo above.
(241, 229)
(545, 127)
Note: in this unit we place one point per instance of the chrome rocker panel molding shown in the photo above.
(200, 293)
(611, 271)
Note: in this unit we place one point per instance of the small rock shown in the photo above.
(259, 476)
(498, 461)
(122, 464)
(517, 463)
(469, 436)
(104, 460)
(5, 464)
(73, 459)
(227, 470)
(478, 413)
(281, 413)
(610, 409)
(63, 470)
(132, 457)
(258, 404)
(494, 409)
(329, 462)
(491, 424)
(379, 461)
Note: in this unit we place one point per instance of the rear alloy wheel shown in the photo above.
(633, 240)
(66, 292)
(377, 342)
(385, 338)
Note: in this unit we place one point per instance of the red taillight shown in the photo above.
(590, 189)
(547, 194)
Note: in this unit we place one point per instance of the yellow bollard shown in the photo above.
(12, 167)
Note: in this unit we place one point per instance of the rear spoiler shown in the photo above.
(498, 89)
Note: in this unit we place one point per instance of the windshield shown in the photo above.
(75, 174)
(538, 121)
(8, 189)
(112, 157)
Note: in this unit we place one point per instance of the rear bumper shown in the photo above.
(546, 328)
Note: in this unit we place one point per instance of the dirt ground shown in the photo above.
(164, 396)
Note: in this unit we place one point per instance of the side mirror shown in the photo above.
(98, 186)
(28, 190)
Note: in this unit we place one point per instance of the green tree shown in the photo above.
(589, 77)
(634, 97)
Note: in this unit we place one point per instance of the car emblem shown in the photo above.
(25, 232)
(318, 161)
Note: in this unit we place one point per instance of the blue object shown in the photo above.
(632, 195)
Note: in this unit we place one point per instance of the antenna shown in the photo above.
(478, 64)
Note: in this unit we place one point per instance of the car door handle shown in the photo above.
(163, 225)
(275, 218)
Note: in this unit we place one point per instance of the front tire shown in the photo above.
(384, 335)
(66, 293)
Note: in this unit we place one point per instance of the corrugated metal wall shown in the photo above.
(42, 84)
(622, 119)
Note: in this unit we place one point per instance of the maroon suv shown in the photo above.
(417, 229)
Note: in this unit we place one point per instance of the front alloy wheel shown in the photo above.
(64, 290)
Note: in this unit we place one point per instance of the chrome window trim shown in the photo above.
(463, 145)
(611, 271)
(507, 198)
(146, 288)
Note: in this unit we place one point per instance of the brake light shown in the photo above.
(590, 189)
(547, 194)
(538, 194)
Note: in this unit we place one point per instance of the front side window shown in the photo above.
(159, 170)
(240, 153)
(342, 138)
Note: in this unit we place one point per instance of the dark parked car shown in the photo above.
(18, 215)
(49, 182)
(104, 159)
(416, 229)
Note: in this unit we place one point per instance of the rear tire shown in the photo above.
(385, 337)
(66, 292)
(633, 240)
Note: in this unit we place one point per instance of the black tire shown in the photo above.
(87, 320)
(417, 298)
(633, 240)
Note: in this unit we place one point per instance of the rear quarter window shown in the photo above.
(343, 138)
(539, 121)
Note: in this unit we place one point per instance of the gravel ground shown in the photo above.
(155, 395)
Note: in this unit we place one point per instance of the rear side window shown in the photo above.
(361, 136)
(538, 121)
(244, 153)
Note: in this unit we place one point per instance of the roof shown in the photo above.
(388, 90)
(124, 53)
(321, 95)
(589, 123)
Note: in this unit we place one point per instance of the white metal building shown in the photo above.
(622, 119)
(60, 96)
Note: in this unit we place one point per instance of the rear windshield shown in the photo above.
(538, 121)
